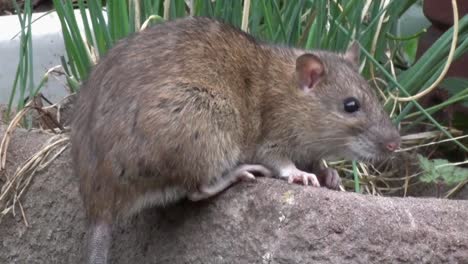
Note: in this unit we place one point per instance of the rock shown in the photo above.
(268, 221)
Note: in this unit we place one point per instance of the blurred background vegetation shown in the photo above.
(388, 35)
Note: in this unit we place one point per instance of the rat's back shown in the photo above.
(195, 49)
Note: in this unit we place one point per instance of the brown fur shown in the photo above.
(181, 104)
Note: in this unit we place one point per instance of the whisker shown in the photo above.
(310, 142)
(330, 150)
(291, 136)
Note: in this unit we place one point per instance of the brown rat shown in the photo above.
(188, 107)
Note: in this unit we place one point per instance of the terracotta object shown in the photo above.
(440, 13)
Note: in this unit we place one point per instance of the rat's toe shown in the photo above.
(332, 179)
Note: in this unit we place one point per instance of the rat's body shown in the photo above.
(187, 108)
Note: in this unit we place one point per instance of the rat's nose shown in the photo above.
(392, 145)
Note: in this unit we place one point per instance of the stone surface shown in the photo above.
(267, 221)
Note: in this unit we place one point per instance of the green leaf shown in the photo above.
(425, 163)
(440, 170)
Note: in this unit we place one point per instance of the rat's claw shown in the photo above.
(246, 176)
(312, 178)
(315, 181)
(305, 180)
(302, 177)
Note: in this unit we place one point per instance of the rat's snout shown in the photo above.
(392, 143)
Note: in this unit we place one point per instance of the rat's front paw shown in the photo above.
(330, 178)
(294, 175)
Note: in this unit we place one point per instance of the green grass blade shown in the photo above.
(282, 30)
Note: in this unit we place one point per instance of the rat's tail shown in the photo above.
(99, 242)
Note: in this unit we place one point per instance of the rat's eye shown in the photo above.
(351, 104)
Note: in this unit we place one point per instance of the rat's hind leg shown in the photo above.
(242, 172)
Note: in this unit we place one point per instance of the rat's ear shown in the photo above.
(352, 54)
(309, 70)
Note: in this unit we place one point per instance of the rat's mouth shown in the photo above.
(371, 158)
(360, 149)
(366, 151)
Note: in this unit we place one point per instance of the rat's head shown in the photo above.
(345, 114)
